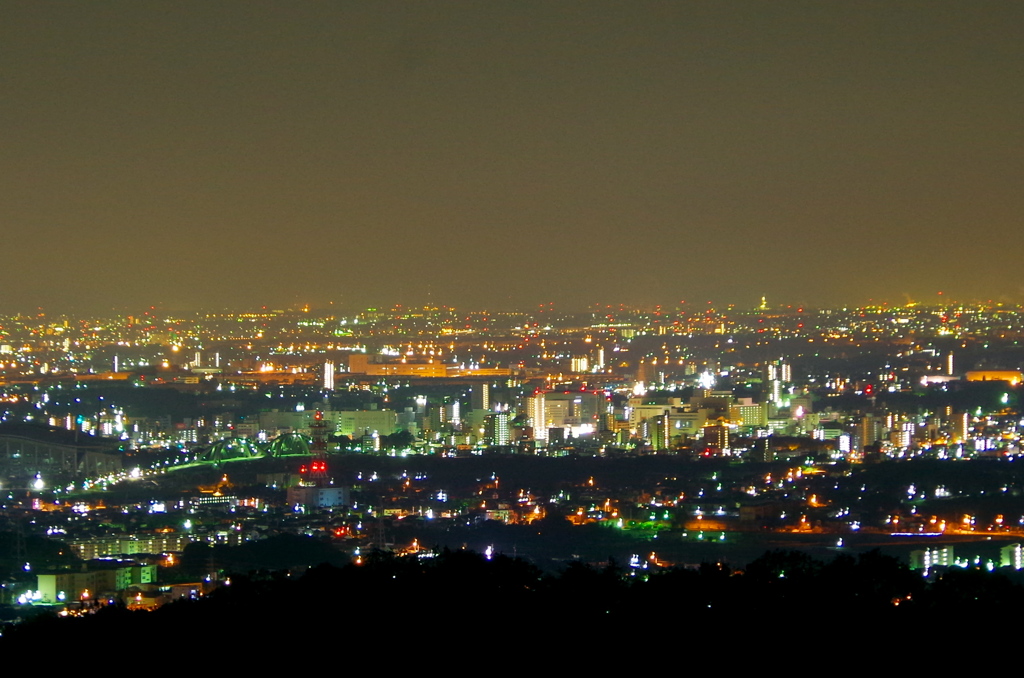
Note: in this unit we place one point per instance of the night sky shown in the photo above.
(502, 154)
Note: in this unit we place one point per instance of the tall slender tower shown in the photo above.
(318, 451)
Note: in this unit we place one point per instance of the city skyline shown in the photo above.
(502, 156)
(356, 308)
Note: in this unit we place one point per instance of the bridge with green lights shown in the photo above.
(287, 445)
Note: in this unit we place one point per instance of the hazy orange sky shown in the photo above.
(197, 154)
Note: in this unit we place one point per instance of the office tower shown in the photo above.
(329, 375)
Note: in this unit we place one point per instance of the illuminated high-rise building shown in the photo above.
(453, 414)
(869, 431)
(749, 415)
(497, 428)
(329, 375)
(535, 406)
(480, 397)
(717, 436)
(659, 432)
(578, 411)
